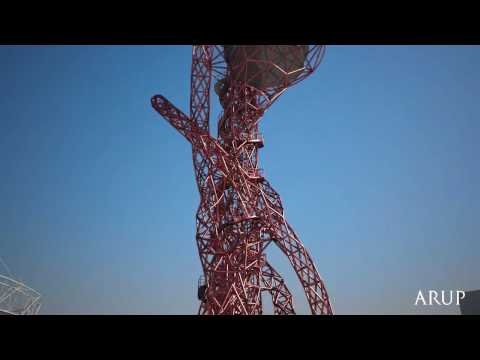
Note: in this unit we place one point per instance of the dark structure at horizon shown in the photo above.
(470, 305)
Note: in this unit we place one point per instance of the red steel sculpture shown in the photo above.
(240, 213)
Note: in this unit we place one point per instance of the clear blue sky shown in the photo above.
(375, 156)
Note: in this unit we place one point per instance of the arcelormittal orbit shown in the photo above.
(240, 214)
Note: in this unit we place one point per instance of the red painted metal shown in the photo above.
(240, 214)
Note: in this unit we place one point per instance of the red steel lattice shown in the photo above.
(240, 213)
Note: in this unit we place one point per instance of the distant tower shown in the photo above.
(470, 305)
(17, 298)
(240, 214)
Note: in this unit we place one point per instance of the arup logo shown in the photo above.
(444, 298)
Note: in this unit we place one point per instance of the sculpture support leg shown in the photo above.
(283, 235)
(281, 296)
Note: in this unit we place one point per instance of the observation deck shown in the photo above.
(254, 137)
